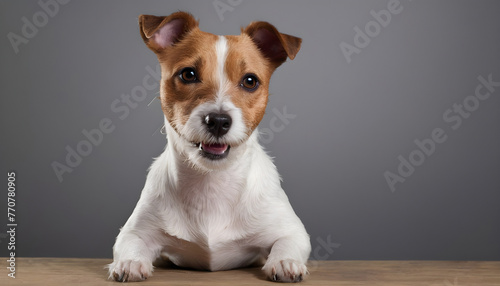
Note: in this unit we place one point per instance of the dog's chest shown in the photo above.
(207, 209)
(205, 222)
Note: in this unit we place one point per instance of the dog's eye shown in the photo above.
(249, 82)
(188, 75)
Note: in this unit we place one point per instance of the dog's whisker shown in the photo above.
(159, 128)
(152, 101)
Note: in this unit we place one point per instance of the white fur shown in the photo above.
(221, 52)
(212, 215)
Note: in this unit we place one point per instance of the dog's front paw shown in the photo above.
(287, 270)
(130, 270)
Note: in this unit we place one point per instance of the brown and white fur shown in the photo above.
(213, 200)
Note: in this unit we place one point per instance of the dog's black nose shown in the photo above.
(218, 124)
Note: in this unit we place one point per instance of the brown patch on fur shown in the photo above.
(244, 58)
(178, 98)
(259, 50)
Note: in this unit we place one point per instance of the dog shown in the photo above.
(213, 200)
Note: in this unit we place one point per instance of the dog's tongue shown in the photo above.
(215, 148)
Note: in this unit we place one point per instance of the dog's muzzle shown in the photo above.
(218, 125)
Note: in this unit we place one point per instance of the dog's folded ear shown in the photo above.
(161, 32)
(274, 45)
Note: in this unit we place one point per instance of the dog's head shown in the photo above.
(214, 89)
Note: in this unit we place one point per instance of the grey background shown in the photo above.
(352, 122)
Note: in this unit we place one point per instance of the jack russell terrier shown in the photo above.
(212, 200)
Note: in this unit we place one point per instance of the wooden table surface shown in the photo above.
(71, 271)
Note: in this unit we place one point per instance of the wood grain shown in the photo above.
(69, 271)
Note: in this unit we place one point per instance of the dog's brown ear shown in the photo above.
(161, 32)
(274, 45)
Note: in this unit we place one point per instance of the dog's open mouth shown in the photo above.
(213, 151)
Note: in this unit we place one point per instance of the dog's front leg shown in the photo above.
(287, 260)
(135, 249)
